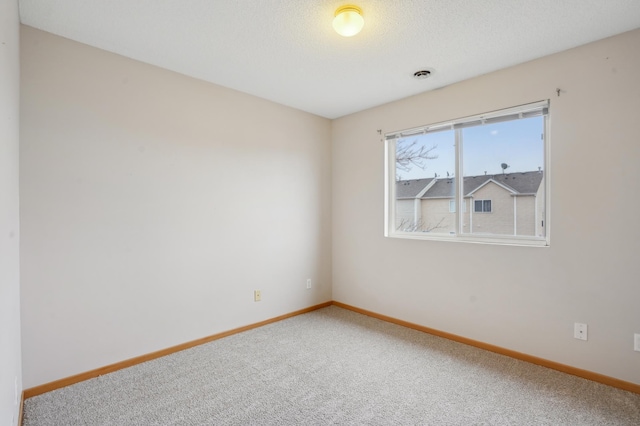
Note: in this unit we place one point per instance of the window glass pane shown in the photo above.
(503, 168)
(425, 183)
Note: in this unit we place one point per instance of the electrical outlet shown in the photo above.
(15, 390)
(636, 342)
(257, 296)
(308, 283)
(580, 331)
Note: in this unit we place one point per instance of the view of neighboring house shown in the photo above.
(502, 204)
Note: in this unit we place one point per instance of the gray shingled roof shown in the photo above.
(520, 183)
(411, 188)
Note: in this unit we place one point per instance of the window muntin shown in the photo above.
(501, 157)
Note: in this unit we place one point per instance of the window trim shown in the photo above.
(540, 108)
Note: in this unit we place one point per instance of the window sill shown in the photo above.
(504, 240)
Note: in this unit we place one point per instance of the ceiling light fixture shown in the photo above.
(348, 20)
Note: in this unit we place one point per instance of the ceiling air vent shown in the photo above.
(422, 74)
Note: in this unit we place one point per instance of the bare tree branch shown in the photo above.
(409, 155)
(407, 225)
(430, 228)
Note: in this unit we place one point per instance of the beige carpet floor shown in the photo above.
(334, 367)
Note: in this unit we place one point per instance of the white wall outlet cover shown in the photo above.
(636, 342)
(580, 331)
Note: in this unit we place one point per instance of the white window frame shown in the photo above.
(522, 111)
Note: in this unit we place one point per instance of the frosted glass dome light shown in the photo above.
(348, 20)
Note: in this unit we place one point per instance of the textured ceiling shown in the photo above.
(286, 50)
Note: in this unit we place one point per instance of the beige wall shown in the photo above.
(589, 273)
(154, 204)
(10, 362)
(141, 191)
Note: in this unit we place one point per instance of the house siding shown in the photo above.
(404, 213)
(526, 215)
(500, 220)
(436, 216)
(541, 227)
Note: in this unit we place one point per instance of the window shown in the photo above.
(496, 162)
(482, 206)
(452, 206)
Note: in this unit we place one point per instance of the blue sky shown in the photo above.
(517, 143)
